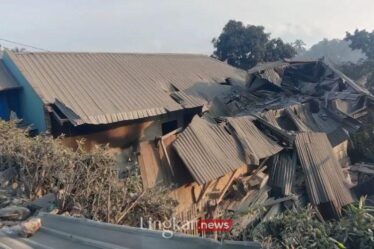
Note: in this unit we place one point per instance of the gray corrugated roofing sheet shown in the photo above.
(61, 232)
(7, 82)
(324, 175)
(267, 65)
(272, 117)
(304, 120)
(100, 88)
(187, 100)
(255, 144)
(282, 172)
(208, 150)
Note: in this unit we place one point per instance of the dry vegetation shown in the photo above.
(84, 182)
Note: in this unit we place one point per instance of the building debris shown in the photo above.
(324, 175)
(208, 150)
(282, 173)
(246, 148)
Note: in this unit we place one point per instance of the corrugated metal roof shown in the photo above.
(187, 100)
(324, 175)
(272, 117)
(101, 88)
(255, 144)
(208, 150)
(268, 65)
(61, 232)
(282, 173)
(305, 121)
(7, 81)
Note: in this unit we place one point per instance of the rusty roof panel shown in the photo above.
(208, 150)
(101, 88)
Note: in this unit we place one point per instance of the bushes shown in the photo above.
(362, 145)
(84, 181)
(302, 229)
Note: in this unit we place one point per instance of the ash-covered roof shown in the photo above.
(208, 150)
(324, 176)
(102, 88)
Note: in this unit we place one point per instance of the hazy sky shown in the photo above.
(172, 25)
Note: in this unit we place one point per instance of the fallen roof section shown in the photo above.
(60, 232)
(324, 175)
(282, 173)
(208, 150)
(102, 88)
(255, 144)
(7, 82)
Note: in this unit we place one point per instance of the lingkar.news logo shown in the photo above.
(169, 227)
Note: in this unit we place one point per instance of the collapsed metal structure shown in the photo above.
(288, 124)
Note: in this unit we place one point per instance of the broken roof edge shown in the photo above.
(286, 62)
(112, 118)
(243, 130)
(208, 150)
(348, 80)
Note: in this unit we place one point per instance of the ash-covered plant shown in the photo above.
(362, 145)
(356, 227)
(83, 181)
(302, 229)
(293, 229)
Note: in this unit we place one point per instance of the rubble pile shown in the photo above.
(290, 124)
(273, 146)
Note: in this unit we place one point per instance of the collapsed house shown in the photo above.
(282, 135)
(225, 140)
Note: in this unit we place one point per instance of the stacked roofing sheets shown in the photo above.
(324, 176)
(208, 150)
(282, 172)
(255, 144)
(7, 82)
(101, 88)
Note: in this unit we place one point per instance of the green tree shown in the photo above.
(299, 46)
(362, 39)
(245, 46)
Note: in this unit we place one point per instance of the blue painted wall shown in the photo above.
(31, 107)
(4, 107)
(8, 102)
